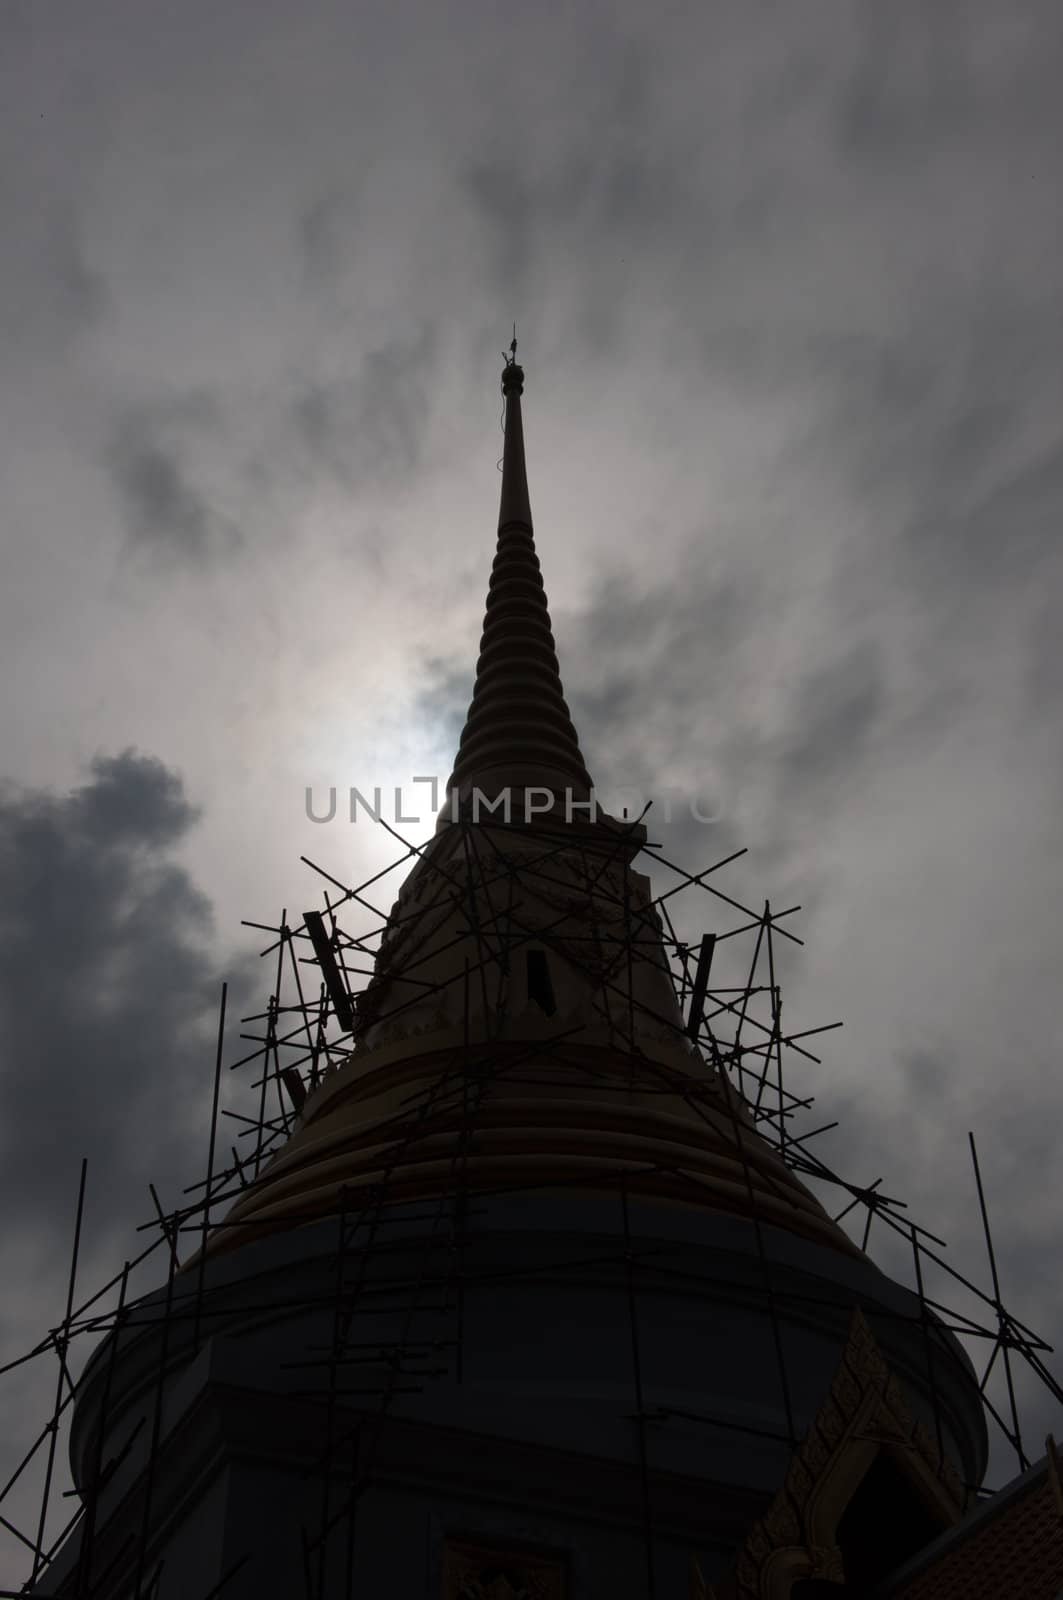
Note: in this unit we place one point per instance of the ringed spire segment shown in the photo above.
(518, 731)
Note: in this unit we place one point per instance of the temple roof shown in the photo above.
(1010, 1544)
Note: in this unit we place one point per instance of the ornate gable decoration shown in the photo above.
(478, 1572)
(865, 1411)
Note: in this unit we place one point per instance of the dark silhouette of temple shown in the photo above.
(520, 1298)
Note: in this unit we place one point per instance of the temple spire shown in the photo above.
(518, 731)
(515, 507)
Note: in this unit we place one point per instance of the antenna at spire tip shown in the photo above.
(512, 375)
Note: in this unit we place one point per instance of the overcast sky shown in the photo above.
(787, 288)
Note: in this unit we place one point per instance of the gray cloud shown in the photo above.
(51, 294)
(787, 299)
(109, 996)
(651, 645)
(369, 430)
(831, 720)
(1045, 670)
(671, 709)
(52, 287)
(1013, 527)
(443, 702)
(168, 512)
(922, 76)
(327, 235)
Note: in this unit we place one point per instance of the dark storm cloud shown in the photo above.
(132, 802)
(108, 994)
(109, 1001)
(369, 430)
(167, 512)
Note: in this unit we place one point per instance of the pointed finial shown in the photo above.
(512, 375)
